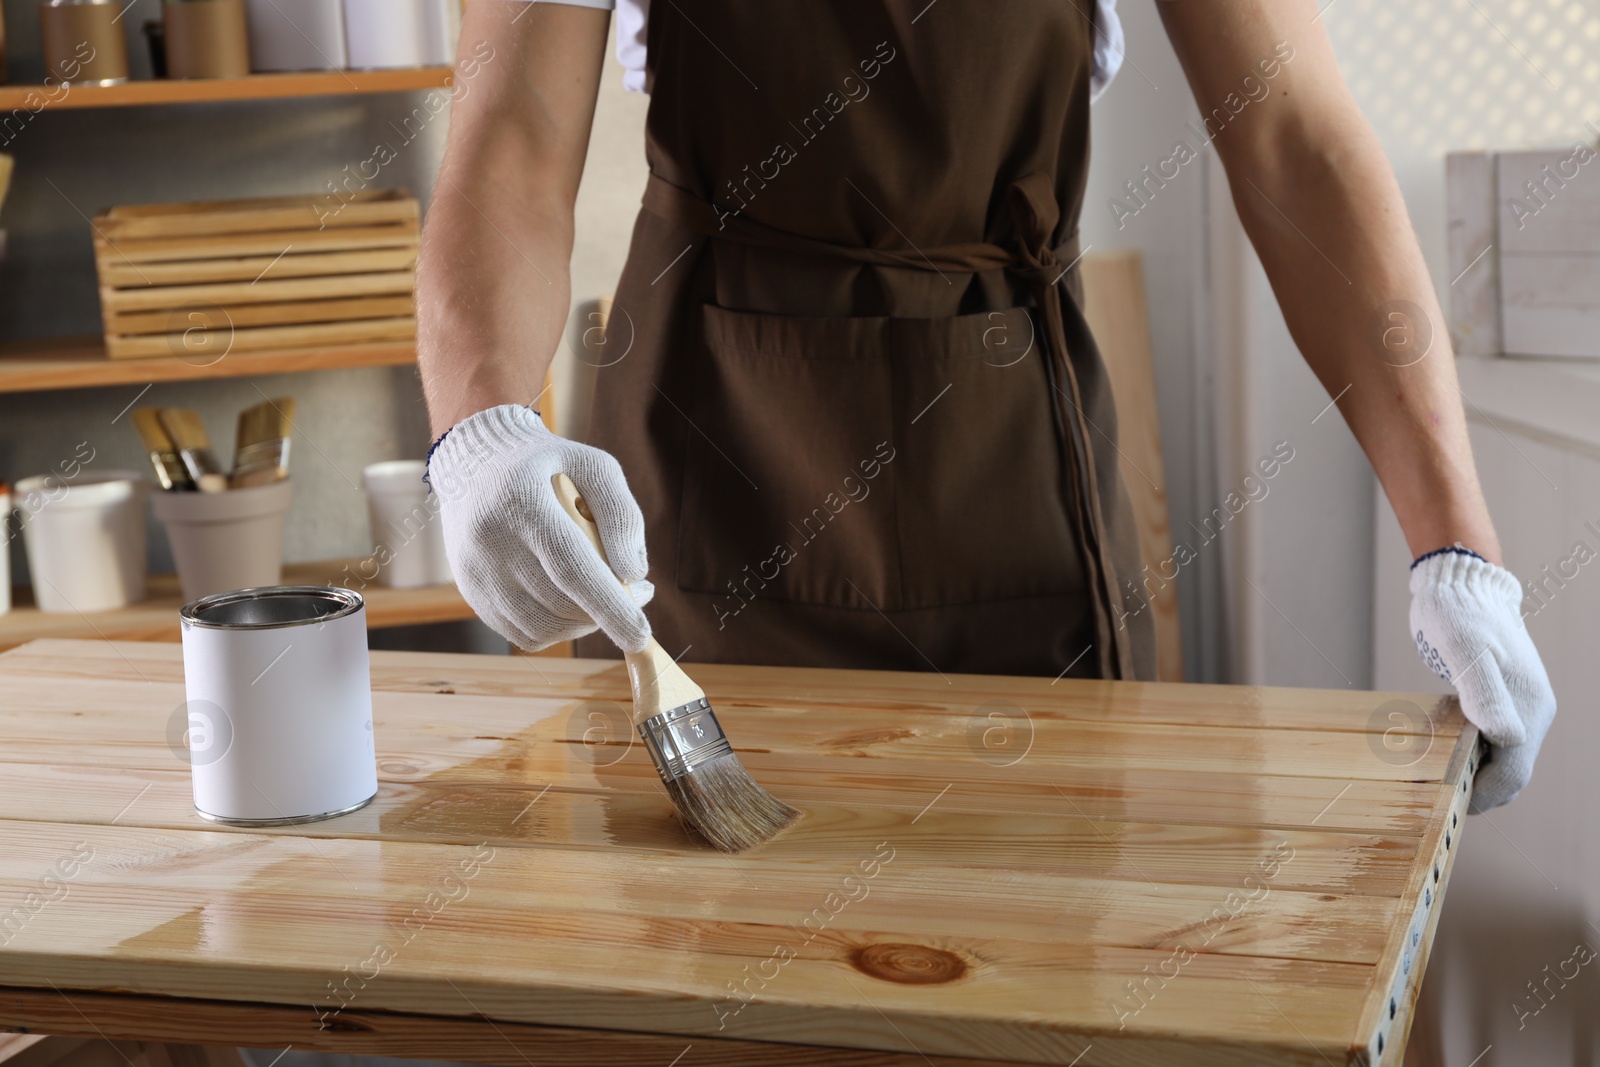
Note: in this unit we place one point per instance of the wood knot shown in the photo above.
(909, 964)
(876, 735)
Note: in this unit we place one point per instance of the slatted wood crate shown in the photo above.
(198, 280)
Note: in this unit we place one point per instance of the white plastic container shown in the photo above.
(296, 34)
(400, 33)
(85, 539)
(5, 548)
(227, 540)
(279, 704)
(407, 535)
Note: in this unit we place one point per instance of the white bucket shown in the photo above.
(85, 539)
(407, 534)
(400, 33)
(279, 710)
(227, 540)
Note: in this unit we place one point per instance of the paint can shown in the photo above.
(279, 710)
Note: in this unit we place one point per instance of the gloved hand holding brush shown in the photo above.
(528, 572)
(1466, 618)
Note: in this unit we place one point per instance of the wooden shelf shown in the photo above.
(207, 90)
(156, 617)
(81, 363)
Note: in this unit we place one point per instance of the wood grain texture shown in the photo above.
(1114, 304)
(155, 618)
(220, 343)
(1162, 874)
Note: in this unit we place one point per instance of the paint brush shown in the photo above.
(189, 436)
(707, 783)
(169, 468)
(261, 444)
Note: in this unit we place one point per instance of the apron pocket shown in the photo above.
(868, 463)
(980, 500)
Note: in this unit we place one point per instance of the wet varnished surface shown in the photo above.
(995, 869)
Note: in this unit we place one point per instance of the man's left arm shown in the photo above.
(1320, 203)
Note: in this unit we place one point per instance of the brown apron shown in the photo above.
(859, 403)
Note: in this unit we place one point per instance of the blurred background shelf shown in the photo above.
(199, 91)
(156, 617)
(81, 363)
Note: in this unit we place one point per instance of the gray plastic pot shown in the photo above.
(227, 540)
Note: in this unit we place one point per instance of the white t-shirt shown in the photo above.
(631, 15)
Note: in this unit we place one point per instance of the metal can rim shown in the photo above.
(192, 613)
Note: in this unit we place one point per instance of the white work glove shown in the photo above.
(1466, 617)
(519, 560)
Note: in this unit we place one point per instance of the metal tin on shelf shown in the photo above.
(206, 39)
(82, 41)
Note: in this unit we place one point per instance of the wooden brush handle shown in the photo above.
(573, 504)
(658, 683)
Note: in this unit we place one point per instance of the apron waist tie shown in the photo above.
(1035, 263)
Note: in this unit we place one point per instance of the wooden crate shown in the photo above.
(202, 279)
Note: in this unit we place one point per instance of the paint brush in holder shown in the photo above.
(261, 445)
(164, 458)
(188, 435)
(710, 787)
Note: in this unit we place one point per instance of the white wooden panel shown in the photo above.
(1551, 303)
(1565, 217)
(1552, 332)
(1548, 224)
(1473, 259)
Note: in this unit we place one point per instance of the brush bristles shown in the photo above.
(728, 807)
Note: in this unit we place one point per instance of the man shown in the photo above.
(862, 419)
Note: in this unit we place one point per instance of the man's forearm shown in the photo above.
(1330, 226)
(490, 310)
(493, 287)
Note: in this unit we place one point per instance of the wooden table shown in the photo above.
(990, 870)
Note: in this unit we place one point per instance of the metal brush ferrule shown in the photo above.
(684, 738)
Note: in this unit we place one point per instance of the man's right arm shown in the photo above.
(492, 298)
(493, 287)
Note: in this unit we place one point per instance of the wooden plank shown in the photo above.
(864, 694)
(242, 315)
(81, 363)
(1473, 256)
(268, 291)
(299, 336)
(1549, 201)
(1113, 284)
(427, 781)
(331, 239)
(1551, 304)
(156, 617)
(254, 268)
(565, 971)
(358, 1031)
(569, 889)
(525, 736)
(207, 90)
(1548, 224)
(257, 215)
(1178, 853)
